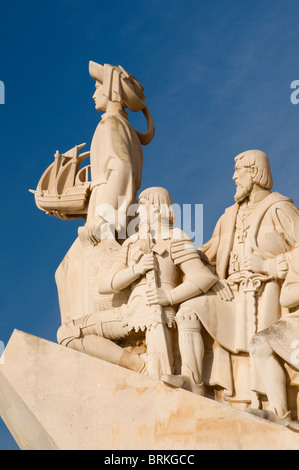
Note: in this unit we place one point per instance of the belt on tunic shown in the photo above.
(250, 283)
(97, 182)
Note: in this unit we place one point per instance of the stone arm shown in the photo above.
(285, 221)
(122, 276)
(289, 297)
(198, 279)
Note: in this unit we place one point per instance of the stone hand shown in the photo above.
(254, 263)
(146, 263)
(223, 290)
(92, 234)
(97, 230)
(158, 296)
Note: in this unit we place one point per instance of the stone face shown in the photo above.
(55, 398)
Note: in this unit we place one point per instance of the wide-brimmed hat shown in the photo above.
(118, 85)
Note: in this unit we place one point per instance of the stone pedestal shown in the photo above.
(54, 398)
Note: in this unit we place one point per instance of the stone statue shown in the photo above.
(248, 250)
(65, 191)
(116, 158)
(116, 155)
(163, 268)
(142, 307)
(277, 344)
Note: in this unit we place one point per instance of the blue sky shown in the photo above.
(217, 79)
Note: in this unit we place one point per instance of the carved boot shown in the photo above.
(183, 381)
(191, 348)
(83, 337)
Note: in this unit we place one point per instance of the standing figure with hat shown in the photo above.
(116, 154)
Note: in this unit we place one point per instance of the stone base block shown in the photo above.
(54, 398)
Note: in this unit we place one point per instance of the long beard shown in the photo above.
(243, 191)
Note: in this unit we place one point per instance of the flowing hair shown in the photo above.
(260, 160)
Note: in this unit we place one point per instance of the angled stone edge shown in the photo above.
(23, 425)
(53, 398)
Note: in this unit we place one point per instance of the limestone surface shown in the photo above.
(53, 398)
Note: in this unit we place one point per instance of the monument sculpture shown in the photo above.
(275, 345)
(151, 314)
(249, 251)
(116, 152)
(164, 268)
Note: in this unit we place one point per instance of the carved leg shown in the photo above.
(271, 374)
(105, 349)
(192, 352)
(87, 335)
(159, 351)
(191, 344)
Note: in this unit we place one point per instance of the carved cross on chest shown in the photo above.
(241, 236)
(243, 223)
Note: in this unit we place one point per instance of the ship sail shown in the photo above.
(64, 188)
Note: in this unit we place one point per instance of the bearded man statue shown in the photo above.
(249, 253)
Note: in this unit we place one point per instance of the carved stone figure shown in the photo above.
(279, 343)
(248, 251)
(163, 268)
(116, 155)
(221, 321)
(65, 191)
